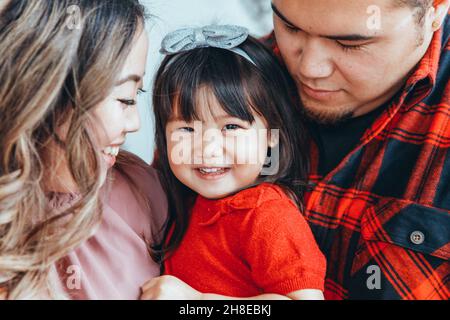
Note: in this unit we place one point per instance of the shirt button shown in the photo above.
(417, 237)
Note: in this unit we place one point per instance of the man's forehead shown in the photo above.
(338, 17)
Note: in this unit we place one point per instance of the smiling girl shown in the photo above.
(232, 153)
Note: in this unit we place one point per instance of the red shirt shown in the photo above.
(382, 216)
(253, 242)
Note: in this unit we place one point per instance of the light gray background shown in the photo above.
(169, 15)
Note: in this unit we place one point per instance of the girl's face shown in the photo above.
(117, 115)
(219, 154)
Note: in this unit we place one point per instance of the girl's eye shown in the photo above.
(128, 102)
(141, 91)
(186, 129)
(346, 47)
(232, 127)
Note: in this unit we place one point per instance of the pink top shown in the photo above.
(114, 263)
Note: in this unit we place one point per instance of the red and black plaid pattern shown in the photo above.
(382, 217)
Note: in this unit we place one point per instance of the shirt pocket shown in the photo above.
(408, 244)
(409, 225)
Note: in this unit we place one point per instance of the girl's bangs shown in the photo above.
(212, 76)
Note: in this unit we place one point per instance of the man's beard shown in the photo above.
(326, 118)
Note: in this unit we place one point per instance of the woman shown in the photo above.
(75, 222)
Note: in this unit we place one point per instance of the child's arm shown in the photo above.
(307, 294)
(3, 293)
(172, 288)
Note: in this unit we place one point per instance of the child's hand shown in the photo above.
(169, 288)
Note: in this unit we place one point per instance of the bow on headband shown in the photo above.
(224, 37)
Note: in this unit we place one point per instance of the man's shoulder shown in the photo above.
(446, 32)
(444, 61)
(439, 96)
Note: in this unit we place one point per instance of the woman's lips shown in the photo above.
(212, 173)
(318, 94)
(109, 155)
(109, 159)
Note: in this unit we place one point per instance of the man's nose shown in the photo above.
(314, 61)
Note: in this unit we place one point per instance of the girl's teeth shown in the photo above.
(211, 170)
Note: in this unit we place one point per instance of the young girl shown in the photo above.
(236, 228)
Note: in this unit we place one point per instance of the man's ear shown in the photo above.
(441, 9)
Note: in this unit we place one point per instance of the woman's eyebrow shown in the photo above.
(347, 37)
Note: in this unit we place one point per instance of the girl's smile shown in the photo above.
(212, 173)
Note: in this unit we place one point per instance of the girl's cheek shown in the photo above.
(180, 149)
(249, 148)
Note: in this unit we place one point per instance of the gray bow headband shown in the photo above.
(227, 37)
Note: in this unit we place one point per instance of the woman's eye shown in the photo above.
(128, 102)
(232, 127)
(141, 91)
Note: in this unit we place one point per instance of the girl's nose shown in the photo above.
(212, 144)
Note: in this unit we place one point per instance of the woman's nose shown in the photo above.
(133, 120)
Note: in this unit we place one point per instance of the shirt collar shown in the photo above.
(210, 210)
(428, 66)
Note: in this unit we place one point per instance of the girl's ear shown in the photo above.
(273, 138)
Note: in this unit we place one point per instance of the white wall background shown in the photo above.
(169, 15)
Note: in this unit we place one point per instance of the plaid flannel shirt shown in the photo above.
(382, 216)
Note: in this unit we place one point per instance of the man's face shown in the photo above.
(348, 57)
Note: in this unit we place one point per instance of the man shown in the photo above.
(372, 76)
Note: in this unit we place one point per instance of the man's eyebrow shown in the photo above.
(350, 37)
(282, 17)
(132, 77)
(347, 37)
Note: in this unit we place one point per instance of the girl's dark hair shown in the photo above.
(241, 88)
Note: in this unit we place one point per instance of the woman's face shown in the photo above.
(117, 115)
(113, 118)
